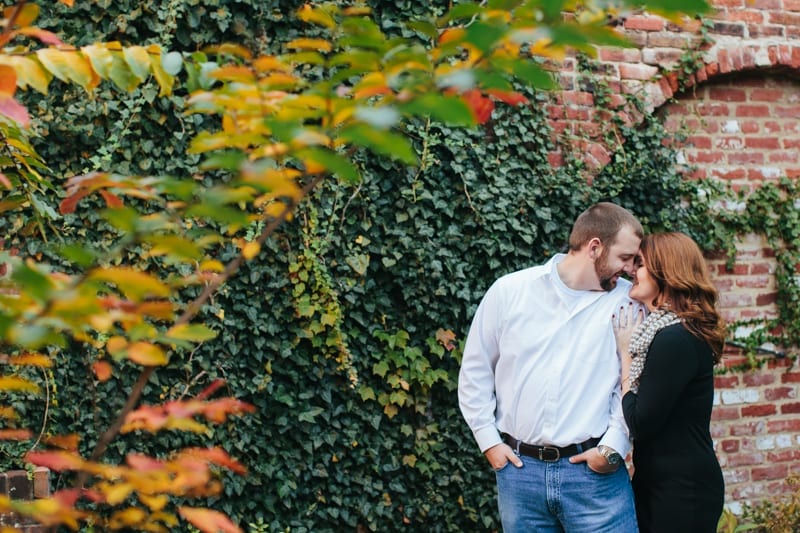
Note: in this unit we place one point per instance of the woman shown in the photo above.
(668, 386)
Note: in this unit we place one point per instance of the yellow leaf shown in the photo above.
(269, 64)
(250, 250)
(310, 44)
(185, 424)
(14, 383)
(100, 58)
(155, 503)
(212, 265)
(69, 66)
(147, 354)
(127, 517)
(31, 359)
(115, 493)
(316, 15)
(410, 460)
(165, 80)
(134, 284)
(191, 332)
(28, 71)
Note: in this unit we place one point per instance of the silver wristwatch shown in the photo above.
(610, 454)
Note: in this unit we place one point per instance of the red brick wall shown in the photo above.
(741, 110)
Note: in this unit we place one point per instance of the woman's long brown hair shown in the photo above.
(677, 265)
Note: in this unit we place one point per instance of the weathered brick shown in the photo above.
(644, 23)
(769, 472)
(780, 393)
(790, 408)
(759, 410)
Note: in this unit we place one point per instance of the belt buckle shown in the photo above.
(551, 449)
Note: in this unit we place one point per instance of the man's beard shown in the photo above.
(604, 273)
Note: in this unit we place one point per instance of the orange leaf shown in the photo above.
(509, 97)
(15, 434)
(102, 369)
(116, 344)
(218, 456)
(445, 337)
(26, 14)
(209, 521)
(65, 442)
(31, 359)
(8, 81)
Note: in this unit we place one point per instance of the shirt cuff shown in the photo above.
(617, 440)
(486, 437)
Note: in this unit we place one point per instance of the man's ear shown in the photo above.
(595, 247)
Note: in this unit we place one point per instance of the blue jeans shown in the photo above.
(564, 497)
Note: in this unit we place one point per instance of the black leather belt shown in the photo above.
(548, 453)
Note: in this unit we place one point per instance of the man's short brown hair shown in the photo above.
(603, 220)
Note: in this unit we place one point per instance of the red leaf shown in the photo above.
(4, 181)
(14, 110)
(211, 389)
(112, 200)
(69, 203)
(46, 37)
(480, 105)
(55, 460)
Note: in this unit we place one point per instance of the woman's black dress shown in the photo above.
(677, 481)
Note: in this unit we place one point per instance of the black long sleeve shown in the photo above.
(677, 480)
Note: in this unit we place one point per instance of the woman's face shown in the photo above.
(645, 288)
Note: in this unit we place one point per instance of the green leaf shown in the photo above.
(335, 163)
(448, 109)
(484, 36)
(172, 62)
(138, 60)
(311, 414)
(37, 284)
(383, 142)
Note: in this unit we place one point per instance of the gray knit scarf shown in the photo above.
(642, 337)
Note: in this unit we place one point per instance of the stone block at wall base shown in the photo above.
(24, 485)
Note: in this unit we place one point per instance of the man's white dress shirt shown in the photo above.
(540, 363)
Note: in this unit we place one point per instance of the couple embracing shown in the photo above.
(567, 366)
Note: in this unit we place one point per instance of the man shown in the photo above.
(539, 383)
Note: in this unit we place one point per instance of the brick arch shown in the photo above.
(726, 57)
